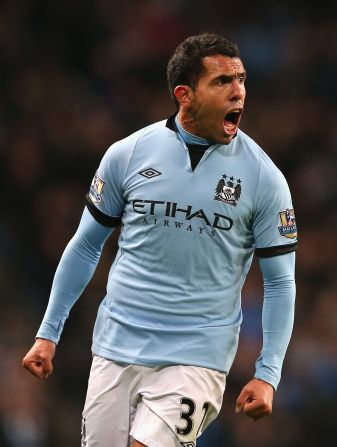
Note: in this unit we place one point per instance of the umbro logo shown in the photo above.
(188, 444)
(149, 173)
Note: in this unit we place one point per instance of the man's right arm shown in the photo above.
(76, 268)
(105, 206)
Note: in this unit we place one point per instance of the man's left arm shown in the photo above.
(277, 322)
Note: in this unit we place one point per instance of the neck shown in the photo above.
(189, 137)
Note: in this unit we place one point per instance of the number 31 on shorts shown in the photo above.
(187, 415)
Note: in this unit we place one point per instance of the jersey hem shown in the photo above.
(96, 349)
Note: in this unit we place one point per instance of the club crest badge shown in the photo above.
(228, 190)
(288, 226)
(96, 189)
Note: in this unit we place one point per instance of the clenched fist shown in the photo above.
(38, 360)
(256, 399)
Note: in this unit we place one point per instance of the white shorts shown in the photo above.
(164, 406)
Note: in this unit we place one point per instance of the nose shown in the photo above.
(238, 90)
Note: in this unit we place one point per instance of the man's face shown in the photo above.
(217, 101)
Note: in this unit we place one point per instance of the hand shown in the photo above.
(38, 360)
(256, 399)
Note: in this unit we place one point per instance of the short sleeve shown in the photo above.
(274, 224)
(105, 199)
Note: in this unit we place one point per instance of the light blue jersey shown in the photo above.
(186, 245)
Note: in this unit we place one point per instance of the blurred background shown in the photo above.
(77, 75)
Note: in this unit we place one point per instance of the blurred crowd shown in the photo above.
(77, 75)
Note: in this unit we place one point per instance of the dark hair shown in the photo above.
(186, 66)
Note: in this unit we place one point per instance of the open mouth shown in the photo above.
(232, 121)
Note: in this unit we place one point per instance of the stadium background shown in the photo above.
(77, 75)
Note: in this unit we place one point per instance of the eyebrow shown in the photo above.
(230, 78)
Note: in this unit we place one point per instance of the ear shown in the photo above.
(184, 94)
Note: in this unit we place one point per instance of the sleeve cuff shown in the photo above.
(53, 338)
(267, 378)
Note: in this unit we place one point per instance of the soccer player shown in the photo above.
(196, 198)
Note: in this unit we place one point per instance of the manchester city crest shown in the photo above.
(288, 226)
(228, 190)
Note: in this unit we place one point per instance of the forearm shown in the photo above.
(76, 268)
(277, 315)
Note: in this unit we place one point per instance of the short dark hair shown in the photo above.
(186, 66)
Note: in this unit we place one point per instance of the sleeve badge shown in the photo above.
(288, 226)
(96, 189)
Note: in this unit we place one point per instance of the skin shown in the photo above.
(202, 110)
(220, 88)
(38, 360)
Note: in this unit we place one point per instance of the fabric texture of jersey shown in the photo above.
(186, 245)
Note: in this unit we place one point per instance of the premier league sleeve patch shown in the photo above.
(96, 189)
(288, 226)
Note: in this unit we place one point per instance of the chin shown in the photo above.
(226, 139)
